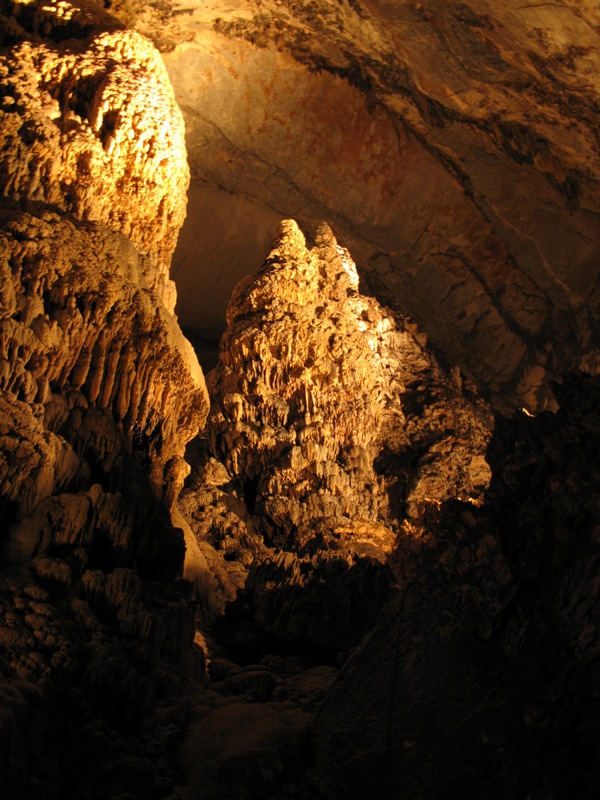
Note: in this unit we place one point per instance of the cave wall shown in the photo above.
(454, 150)
(99, 393)
(480, 678)
(453, 147)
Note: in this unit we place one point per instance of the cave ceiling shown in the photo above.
(453, 146)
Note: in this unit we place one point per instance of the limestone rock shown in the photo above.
(247, 747)
(91, 129)
(453, 146)
(92, 325)
(314, 380)
(331, 422)
(99, 393)
(299, 389)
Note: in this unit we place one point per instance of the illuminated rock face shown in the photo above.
(82, 330)
(91, 129)
(300, 387)
(453, 146)
(99, 393)
(332, 430)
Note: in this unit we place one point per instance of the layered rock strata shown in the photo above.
(99, 392)
(332, 430)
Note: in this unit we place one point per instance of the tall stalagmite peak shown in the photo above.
(332, 430)
(453, 146)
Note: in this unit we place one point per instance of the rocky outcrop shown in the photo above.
(300, 388)
(90, 700)
(81, 328)
(99, 393)
(75, 108)
(332, 430)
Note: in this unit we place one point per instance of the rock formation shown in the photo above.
(332, 429)
(73, 112)
(488, 687)
(452, 145)
(99, 394)
(369, 583)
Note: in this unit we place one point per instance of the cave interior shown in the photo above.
(300, 400)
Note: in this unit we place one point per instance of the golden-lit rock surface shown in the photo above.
(82, 319)
(453, 145)
(89, 127)
(331, 422)
(99, 394)
(372, 614)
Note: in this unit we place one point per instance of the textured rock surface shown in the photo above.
(332, 429)
(99, 393)
(75, 108)
(454, 147)
(81, 317)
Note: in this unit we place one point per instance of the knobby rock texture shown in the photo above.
(332, 431)
(99, 392)
(73, 113)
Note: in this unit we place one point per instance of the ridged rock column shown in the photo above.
(99, 394)
(333, 431)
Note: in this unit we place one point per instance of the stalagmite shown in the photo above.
(302, 452)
